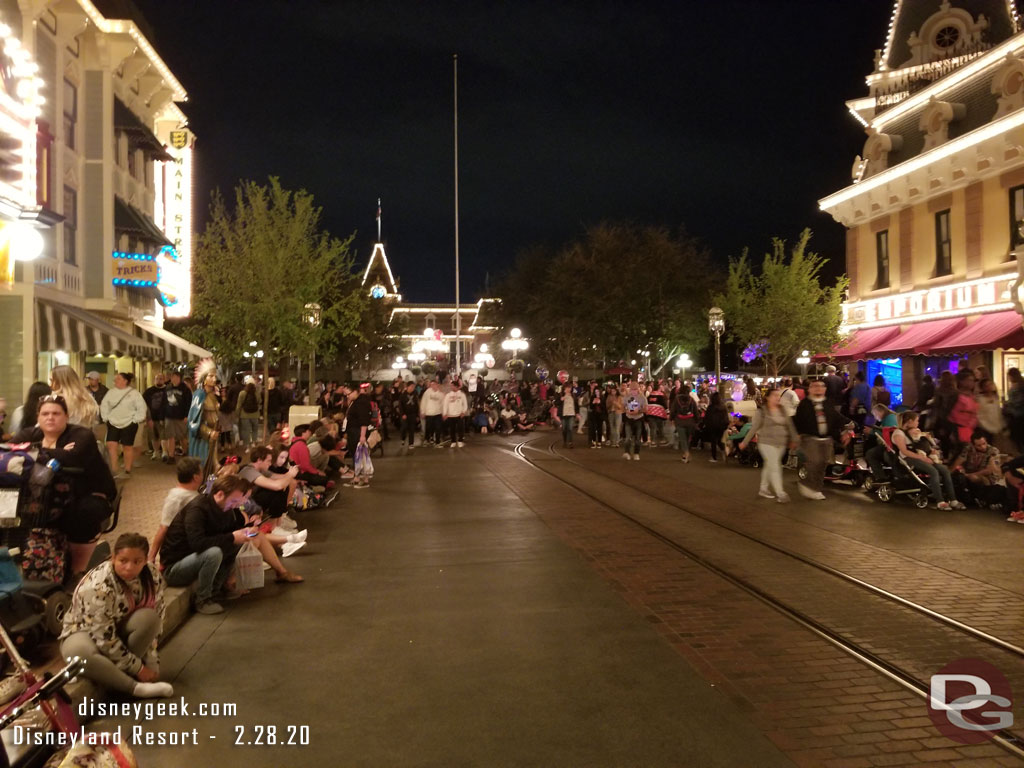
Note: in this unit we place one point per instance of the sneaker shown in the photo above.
(636, 457)
(287, 523)
(154, 456)
(452, 445)
(461, 444)
(438, 445)
(944, 506)
(957, 505)
(1015, 517)
(295, 538)
(292, 547)
(764, 493)
(365, 484)
(626, 456)
(783, 498)
(713, 461)
(807, 493)
(209, 608)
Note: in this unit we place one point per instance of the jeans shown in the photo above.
(455, 428)
(771, 469)
(248, 431)
(634, 432)
(138, 633)
(210, 568)
(684, 429)
(568, 424)
(657, 428)
(433, 428)
(614, 427)
(409, 430)
(940, 481)
(817, 454)
(581, 420)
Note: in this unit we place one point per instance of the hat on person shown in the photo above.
(364, 386)
(92, 375)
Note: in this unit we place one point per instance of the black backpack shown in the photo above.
(250, 403)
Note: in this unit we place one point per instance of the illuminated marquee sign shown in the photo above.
(142, 270)
(990, 294)
(177, 218)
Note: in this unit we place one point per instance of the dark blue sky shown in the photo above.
(725, 116)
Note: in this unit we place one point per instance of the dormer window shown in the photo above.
(947, 38)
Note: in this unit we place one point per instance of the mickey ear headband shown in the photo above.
(231, 460)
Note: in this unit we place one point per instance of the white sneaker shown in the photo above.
(461, 445)
(291, 548)
(287, 523)
(636, 457)
(783, 498)
(626, 456)
(453, 445)
(764, 493)
(295, 538)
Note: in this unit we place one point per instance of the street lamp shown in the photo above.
(683, 362)
(515, 344)
(313, 318)
(802, 361)
(716, 324)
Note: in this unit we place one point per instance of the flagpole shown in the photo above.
(458, 314)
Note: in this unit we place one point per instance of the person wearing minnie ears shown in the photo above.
(635, 405)
(115, 618)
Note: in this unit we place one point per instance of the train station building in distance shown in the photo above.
(935, 209)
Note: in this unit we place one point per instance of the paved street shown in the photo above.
(472, 610)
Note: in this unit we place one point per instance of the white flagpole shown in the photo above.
(458, 315)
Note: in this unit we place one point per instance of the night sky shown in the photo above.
(726, 116)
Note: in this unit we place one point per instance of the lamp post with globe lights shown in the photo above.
(683, 362)
(515, 344)
(803, 361)
(716, 324)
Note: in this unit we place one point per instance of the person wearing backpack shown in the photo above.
(249, 406)
(227, 418)
(684, 417)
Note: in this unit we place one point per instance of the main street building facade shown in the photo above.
(935, 209)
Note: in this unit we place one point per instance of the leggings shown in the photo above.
(594, 425)
(138, 633)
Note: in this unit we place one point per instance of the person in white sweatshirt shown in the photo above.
(430, 409)
(123, 410)
(454, 411)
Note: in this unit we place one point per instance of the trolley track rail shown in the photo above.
(1005, 739)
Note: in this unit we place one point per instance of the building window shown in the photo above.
(70, 113)
(70, 225)
(131, 161)
(882, 259)
(943, 245)
(44, 165)
(1016, 218)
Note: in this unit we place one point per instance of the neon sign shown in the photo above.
(990, 294)
(177, 220)
(164, 271)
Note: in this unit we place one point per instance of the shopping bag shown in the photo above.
(363, 466)
(249, 567)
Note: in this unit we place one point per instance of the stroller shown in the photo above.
(899, 478)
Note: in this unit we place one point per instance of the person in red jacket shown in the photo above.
(298, 453)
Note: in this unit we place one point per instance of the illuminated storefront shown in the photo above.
(936, 199)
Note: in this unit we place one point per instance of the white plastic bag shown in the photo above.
(249, 567)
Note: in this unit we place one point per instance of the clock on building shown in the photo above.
(378, 291)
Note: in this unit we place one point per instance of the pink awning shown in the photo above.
(1000, 330)
(858, 343)
(919, 338)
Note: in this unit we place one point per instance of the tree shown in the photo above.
(784, 304)
(618, 288)
(258, 268)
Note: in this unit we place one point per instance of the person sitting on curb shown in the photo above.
(271, 493)
(200, 544)
(190, 477)
(298, 452)
(114, 620)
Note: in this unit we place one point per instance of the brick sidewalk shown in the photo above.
(817, 704)
(143, 498)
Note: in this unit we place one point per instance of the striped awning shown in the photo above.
(174, 348)
(59, 326)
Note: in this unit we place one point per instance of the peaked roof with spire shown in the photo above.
(992, 21)
(378, 271)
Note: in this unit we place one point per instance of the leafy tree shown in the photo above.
(260, 264)
(619, 288)
(783, 304)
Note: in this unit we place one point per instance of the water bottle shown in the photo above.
(42, 474)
